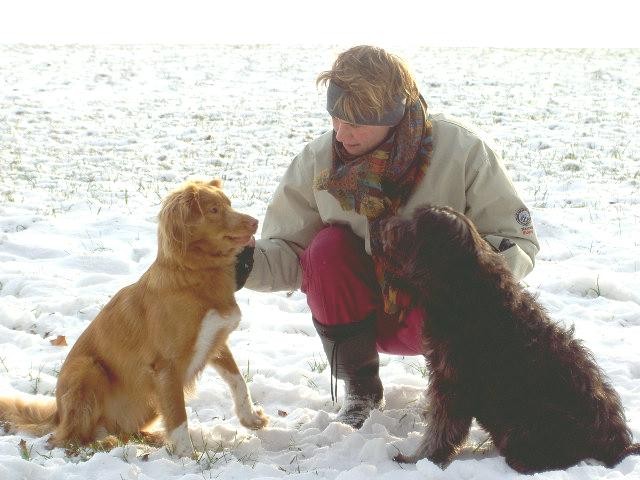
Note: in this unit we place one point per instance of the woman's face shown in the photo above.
(359, 139)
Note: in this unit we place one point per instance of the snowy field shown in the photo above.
(91, 139)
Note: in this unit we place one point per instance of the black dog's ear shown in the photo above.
(398, 235)
(447, 234)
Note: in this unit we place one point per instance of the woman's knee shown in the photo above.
(338, 277)
(334, 243)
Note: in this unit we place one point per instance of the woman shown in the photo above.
(385, 156)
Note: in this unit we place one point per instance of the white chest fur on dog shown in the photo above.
(212, 324)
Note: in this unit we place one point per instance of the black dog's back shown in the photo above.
(553, 406)
(495, 355)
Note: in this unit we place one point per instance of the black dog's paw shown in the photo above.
(519, 466)
(400, 458)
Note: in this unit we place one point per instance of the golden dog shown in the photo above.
(141, 353)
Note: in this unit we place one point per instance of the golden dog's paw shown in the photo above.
(256, 420)
(52, 443)
(180, 449)
(179, 441)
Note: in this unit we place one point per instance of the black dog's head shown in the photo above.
(437, 242)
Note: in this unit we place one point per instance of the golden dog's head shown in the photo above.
(197, 219)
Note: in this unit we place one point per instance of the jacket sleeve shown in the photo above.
(495, 207)
(290, 223)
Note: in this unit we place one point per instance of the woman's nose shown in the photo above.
(343, 131)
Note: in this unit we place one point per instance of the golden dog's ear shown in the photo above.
(173, 219)
(216, 182)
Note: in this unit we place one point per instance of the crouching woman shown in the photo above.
(386, 155)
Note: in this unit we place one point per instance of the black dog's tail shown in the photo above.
(633, 449)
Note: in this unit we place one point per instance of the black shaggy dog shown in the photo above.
(495, 355)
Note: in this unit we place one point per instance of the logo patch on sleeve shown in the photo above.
(523, 217)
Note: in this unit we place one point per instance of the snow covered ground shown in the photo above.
(91, 139)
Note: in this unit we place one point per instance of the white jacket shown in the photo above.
(465, 173)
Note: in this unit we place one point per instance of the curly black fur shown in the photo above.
(495, 355)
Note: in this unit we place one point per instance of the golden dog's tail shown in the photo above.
(37, 417)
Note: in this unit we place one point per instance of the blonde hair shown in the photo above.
(373, 81)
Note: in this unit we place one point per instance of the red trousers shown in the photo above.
(341, 287)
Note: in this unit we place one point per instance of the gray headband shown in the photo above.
(390, 117)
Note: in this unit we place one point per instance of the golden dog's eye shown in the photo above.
(213, 209)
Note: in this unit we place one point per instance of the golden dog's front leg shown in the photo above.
(249, 416)
(169, 388)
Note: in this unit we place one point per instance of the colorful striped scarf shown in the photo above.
(378, 183)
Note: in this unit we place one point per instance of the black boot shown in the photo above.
(351, 351)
